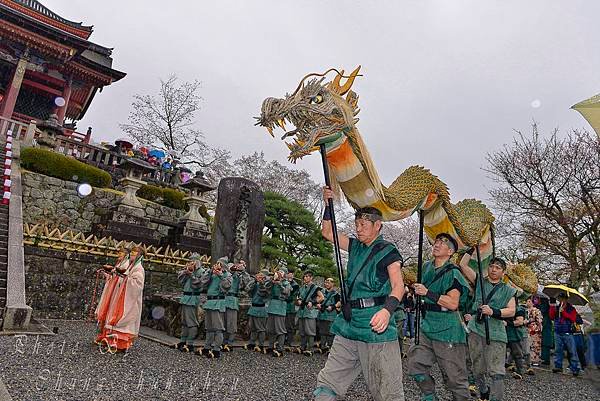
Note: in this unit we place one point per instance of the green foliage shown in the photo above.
(54, 164)
(292, 238)
(168, 197)
(163, 196)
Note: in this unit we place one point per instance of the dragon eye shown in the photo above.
(317, 99)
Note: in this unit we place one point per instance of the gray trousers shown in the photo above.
(276, 330)
(452, 361)
(519, 351)
(214, 329)
(308, 331)
(380, 364)
(189, 324)
(290, 328)
(488, 365)
(325, 332)
(231, 318)
(258, 330)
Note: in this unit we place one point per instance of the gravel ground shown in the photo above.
(68, 367)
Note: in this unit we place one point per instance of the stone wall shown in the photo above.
(60, 285)
(56, 202)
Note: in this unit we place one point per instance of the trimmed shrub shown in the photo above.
(54, 164)
(163, 196)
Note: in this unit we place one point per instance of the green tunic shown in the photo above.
(331, 298)
(191, 287)
(291, 301)
(444, 326)
(308, 293)
(500, 299)
(257, 298)
(516, 334)
(278, 297)
(238, 279)
(371, 281)
(216, 287)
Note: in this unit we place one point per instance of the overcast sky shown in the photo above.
(444, 81)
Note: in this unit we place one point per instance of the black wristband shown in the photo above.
(470, 251)
(496, 313)
(391, 304)
(327, 213)
(434, 296)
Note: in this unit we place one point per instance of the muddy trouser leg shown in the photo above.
(495, 354)
(477, 347)
(452, 361)
(526, 346)
(290, 323)
(341, 369)
(381, 365)
(517, 355)
(420, 360)
(231, 317)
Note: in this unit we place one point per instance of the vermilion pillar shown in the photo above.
(10, 98)
(62, 111)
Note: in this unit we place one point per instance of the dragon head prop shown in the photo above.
(321, 112)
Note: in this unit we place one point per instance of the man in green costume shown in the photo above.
(217, 282)
(443, 337)
(517, 336)
(239, 280)
(278, 289)
(309, 295)
(290, 313)
(257, 313)
(366, 338)
(190, 278)
(327, 313)
(488, 360)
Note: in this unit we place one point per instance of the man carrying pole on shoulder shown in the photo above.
(443, 338)
(366, 338)
(488, 357)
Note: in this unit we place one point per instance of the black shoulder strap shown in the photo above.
(442, 272)
(376, 248)
(308, 293)
(491, 294)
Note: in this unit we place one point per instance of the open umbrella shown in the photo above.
(575, 297)
(124, 142)
(159, 154)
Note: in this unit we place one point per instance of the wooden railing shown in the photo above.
(87, 153)
(20, 131)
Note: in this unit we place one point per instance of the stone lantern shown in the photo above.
(197, 186)
(134, 172)
(192, 233)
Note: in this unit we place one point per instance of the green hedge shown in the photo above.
(164, 196)
(66, 168)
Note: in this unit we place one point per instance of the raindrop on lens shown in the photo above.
(158, 312)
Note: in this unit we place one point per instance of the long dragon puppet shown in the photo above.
(325, 112)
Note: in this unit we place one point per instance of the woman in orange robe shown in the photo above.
(125, 309)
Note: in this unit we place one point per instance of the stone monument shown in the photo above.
(239, 221)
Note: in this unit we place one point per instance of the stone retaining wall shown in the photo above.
(56, 202)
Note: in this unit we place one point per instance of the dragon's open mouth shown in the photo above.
(303, 128)
(316, 112)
